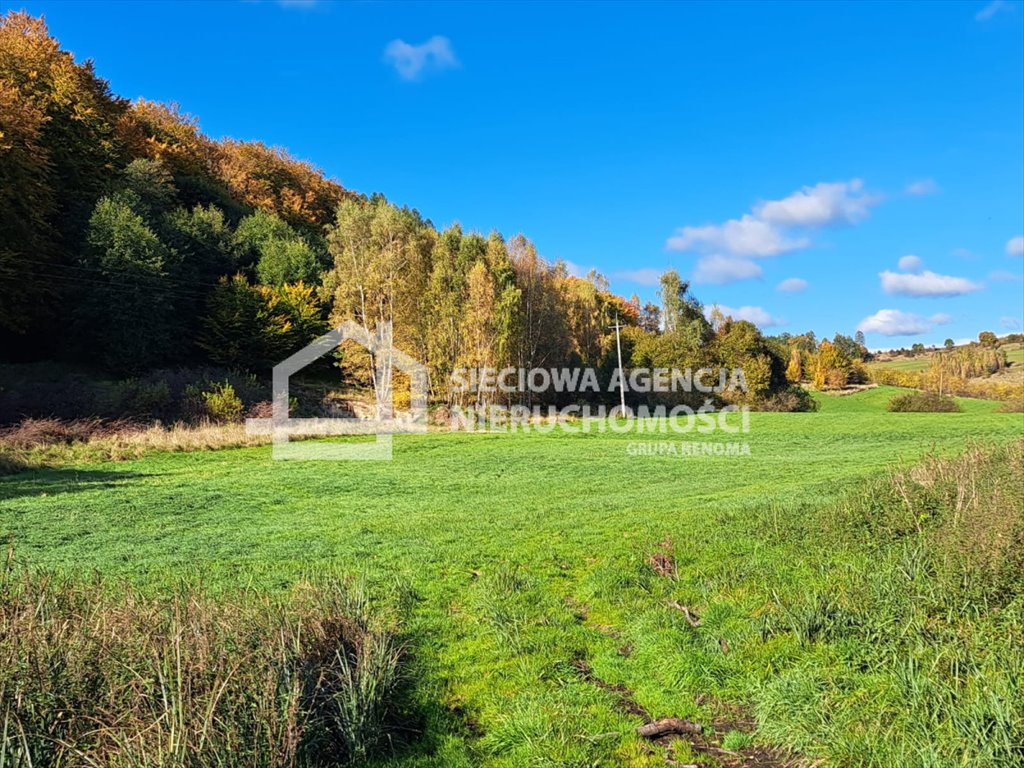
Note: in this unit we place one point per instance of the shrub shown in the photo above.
(858, 373)
(792, 399)
(94, 676)
(923, 402)
(264, 409)
(836, 378)
(141, 399)
(222, 404)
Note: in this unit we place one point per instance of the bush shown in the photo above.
(218, 403)
(141, 399)
(923, 402)
(858, 373)
(91, 676)
(791, 399)
(836, 378)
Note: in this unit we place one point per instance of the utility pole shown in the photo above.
(618, 348)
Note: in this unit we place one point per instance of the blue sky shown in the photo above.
(742, 144)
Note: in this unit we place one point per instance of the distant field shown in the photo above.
(523, 560)
(919, 363)
(1014, 355)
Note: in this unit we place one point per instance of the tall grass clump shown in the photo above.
(927, 612)
(964, 515)
(92, 675)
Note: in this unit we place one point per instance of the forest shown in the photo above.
(131, 241)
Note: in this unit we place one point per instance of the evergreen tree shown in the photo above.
(128, 306)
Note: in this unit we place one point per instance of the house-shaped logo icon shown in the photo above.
(385, 359)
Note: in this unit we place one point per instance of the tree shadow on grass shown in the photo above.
(54, 481)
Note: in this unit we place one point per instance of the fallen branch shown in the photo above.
(691, 616)
(669, 726)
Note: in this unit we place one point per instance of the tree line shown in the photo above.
(131, 240)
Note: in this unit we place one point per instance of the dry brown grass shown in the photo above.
(34, 433)
(91, 676)
(50, 442)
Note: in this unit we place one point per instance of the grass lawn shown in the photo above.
(538, 627)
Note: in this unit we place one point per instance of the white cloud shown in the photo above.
(922, 187)
(793, 285)
(768, 229)
(911, 263)
(926, 284)
(892, 322)
(842, 202)
(1010, 323)
(990, 10)
(940, 318)
(755, 315)
(1004, 276)
(412, 61)
(1015, 246)
(719, 270)
(573, 269)
(745, 237)
(645, 276)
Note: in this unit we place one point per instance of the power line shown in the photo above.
(125, 287)
(618, 347)
(100, 271)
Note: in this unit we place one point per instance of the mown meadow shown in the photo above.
(541, 578)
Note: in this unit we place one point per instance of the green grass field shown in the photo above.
(538, 628)
(913, 364)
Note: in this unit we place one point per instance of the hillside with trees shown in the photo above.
(134, 242)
